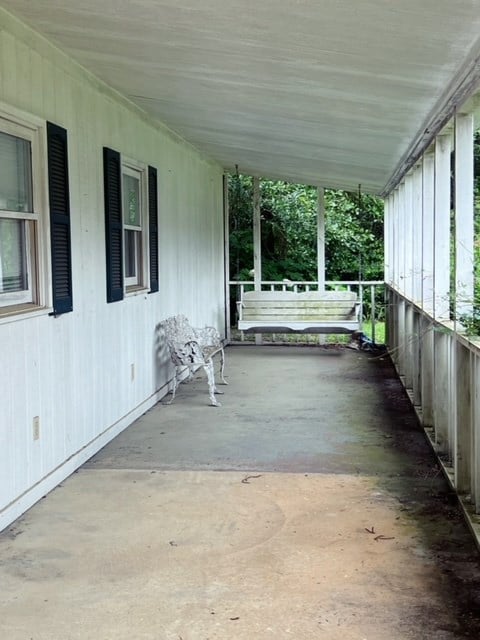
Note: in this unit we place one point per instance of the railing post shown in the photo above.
(372, 310)
(360, 297)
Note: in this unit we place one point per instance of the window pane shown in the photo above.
(131, 200)
(13, 271)
(130, 254)
(15, 174)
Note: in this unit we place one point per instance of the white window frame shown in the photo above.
(21, 125)
(141, 280)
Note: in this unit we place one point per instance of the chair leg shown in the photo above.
(208, 366)
(175, 385)
(222, 366)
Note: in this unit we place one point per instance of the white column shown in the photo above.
(257, 244)
(226, 245)
(387, 220)
(321, 238)
(401, 238)
(394, 243)
(443, 148)
(257, 235)
(428, 232)
(464, 236)
(408, 213)
(417, 232)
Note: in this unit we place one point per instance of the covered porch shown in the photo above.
(312, 501)
(310, 505)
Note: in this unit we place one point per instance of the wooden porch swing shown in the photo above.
(319, 312)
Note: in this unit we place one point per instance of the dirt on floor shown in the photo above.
(309, 506)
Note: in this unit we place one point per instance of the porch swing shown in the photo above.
(317, 312)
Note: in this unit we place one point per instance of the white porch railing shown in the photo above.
(367, 291)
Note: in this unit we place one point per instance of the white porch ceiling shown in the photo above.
(331, 92)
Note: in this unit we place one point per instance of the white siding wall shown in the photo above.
(74, 372)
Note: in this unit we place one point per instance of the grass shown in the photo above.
(379, 331)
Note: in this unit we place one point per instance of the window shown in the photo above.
(133, 226)
(24, 281)
(18, 217)
(131, 233)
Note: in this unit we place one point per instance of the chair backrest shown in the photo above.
(177, 329)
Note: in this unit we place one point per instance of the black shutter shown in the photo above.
(113, 224)
(60, 239)
(153, 227)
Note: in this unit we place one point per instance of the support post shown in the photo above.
(401, 238)
(395, 242)
(428, 232)
(443, 148)
(321, 238)
(387, 238)
(464, 263)
(417, 233)
(226, 244)
(408, 213)
(257, 243)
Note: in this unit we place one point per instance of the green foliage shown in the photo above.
(240, 196)
(470, 322)
(353, 234)
(288, 215)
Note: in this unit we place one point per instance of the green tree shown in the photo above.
(353, 236)
(354, 232)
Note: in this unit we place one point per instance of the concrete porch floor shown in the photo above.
(308, 506)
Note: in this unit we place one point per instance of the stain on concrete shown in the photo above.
(345, 528)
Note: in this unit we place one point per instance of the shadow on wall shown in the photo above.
(162, 364)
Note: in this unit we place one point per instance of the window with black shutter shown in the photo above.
(60, 237)
(113, 224)
(130, 226)
(153, 227)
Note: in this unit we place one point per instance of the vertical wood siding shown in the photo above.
(74, 371)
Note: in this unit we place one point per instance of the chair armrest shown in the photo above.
(240, 307)
(186, 353)
(207, 337)
(358, 307)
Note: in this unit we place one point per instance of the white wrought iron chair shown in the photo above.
(193, 348)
